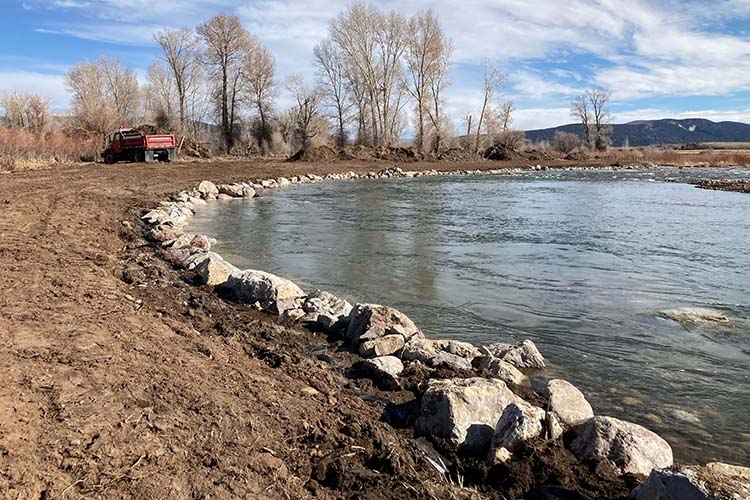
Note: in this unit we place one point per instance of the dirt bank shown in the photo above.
(121, 380)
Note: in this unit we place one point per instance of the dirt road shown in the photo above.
(120, 380)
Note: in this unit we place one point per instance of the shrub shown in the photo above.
(22, 149)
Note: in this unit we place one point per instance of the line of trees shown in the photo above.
(376, 73)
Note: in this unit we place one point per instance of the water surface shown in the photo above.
(580, 262)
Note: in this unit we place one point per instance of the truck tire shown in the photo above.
(109, 159)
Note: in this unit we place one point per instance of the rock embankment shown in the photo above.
(738, 186)
(473, 404)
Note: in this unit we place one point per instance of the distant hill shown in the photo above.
(653, 132)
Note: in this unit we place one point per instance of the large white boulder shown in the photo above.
(501, 369)
(384, 371)
(436, 353)
(517, 424)
(259, 286)
(715, 481)
(522, 355)
(381, 346)
(331, 312)
(208, 190)
(465, 411)
(629, 447)
(370, 321)
(214, 270)
(233, 190)
(568, 403)
(695, 315)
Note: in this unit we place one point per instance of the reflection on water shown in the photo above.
(580, 262)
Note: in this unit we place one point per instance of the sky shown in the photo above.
(660, 58)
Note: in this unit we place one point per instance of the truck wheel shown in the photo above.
(109, 159)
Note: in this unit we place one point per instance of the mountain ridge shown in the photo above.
(656, 132)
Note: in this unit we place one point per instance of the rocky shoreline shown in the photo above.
(737, 186)
(474, 409)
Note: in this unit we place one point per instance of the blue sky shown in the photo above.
(660, 58)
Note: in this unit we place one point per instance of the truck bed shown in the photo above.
(160, 141)
(153, 141)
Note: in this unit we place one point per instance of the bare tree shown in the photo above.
(181, 54)
(599, 99)
(105, 95)
(427, 55)
(565, 142)
(440, 124)
(27, 111)
(305, 114)
(372, 44)
(494, 80)
(260, 69)
(579, 109)
(226, 45)
(332, 80)
(505, 115)
(160, 95)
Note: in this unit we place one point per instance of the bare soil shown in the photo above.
(120, 379)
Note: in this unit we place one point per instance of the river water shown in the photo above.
(578, 261)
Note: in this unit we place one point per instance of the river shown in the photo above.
(581, 262)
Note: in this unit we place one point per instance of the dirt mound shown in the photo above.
(535, 155)
(501, 152)
(458, 154)
(399, 154)
(194, 149)
(320, 153)
(506, 152)
(359, 153)
(151, 129)
(577, 156)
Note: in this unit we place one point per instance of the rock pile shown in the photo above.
(477, 401)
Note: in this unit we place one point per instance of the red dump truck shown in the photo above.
(127, 144)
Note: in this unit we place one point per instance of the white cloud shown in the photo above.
(50, 86)
(537, 86)
(538, 118)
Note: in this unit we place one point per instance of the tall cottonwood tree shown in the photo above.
(332, 81)
(592, 110)
(599, 99)
(260, 70)
(226, 45)
(579, 109)
(493, 81)
(427, 55)
(181, 53)
(306, 113)
(160, 95)
(105, 95)
(372, 44)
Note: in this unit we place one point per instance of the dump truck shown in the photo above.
(127, 144)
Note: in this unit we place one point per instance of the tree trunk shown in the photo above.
(225, 111)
